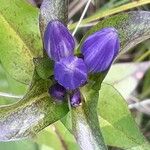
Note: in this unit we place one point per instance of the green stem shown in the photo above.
(141, 58)
(31, 114)
(85, 126)
(85, 122)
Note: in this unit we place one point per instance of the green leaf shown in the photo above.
(68, 138)
(49, 138)
(145, 86)
(11, 86)
(145, 146)
(20, 39)
(57, 133)
(31, 114)
(19, 145)
(102, 14)
(37, 109)
(133, 28)
(126, 81)
(44, 67)
(117, 124)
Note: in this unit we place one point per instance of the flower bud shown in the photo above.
(58, 42)
(57, 91)
(70, 72)
(75, 99)
(100, 49)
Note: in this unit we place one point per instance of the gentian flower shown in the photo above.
(75, 99)
(70, 72)
(57, 91)
(58, 42)
(100, 49)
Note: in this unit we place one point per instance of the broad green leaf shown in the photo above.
(19, 145)
(11, 86)
(31, 114)
(20, 39)
(50, 139)
(37, 109)
(4, 86)
(118, 126)
(126, 76)
(57, 133)
(3, 80)
(44, 147)
(68, 138)
(44, 67)
(145, 146)
(145, 91)
(99, 15)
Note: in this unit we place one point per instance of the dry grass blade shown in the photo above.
(106, 13)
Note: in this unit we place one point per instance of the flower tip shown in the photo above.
(58, 41)
(70, 72)
(100, 49)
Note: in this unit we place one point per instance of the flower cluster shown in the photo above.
(98, 50)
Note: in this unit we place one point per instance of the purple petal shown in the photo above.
(70, 72)
(100, 49)
(58, 42)
(57, 91)
(75, 99)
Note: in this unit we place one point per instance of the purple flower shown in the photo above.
(70, 72)
(58, 42)
(57, 91)
(100, 49)
(75, 99)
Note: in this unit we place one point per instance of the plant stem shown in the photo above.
(53, 10)
(141, 58)
(86, 129)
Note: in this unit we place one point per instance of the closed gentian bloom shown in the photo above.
(70, 72)
(57, 91)
(100, 49)
(58, 42)
(75, 99)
